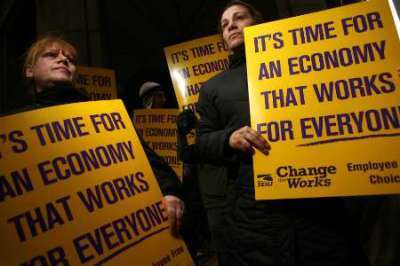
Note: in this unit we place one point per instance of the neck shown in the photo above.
(237, 49)
(52, 85)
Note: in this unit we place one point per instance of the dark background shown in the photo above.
(127, 36)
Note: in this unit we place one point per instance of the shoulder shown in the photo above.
(215, 82)
(20, 109)
(225, 81)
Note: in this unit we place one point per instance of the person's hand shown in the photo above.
(245, 138)
(186, 121)
(175, 209)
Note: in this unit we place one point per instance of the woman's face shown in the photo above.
(233, 21)
(54, 66)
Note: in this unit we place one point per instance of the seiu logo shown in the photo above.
(264, 180)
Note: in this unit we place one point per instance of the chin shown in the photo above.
(236, 43)
(62, 79)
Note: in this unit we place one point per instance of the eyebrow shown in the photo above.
(50, 49)
(241, 13)
(235, 14)
(58, 49)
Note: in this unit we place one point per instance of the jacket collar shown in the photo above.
(237, 58)
(60, 95)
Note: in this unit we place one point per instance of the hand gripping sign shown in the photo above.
(324, 91)
(192, 63)
(76, 189)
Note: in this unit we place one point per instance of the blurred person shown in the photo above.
(195, 229)
(152, 95)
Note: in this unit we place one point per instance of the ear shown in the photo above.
(29, 72)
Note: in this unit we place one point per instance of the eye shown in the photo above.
(242, 16)
(224, 23)
(51, 54)
(70, 59)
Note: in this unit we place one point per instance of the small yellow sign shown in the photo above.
(192, 63)
(76, 189)
(99, 83)
(324, 91)
(158, 129)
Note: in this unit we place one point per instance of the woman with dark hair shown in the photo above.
(253, 13)
(307, 232)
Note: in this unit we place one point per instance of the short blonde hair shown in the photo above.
(37, 48)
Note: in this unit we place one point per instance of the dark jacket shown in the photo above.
(166, 177)
(224, 107)
(281, 232)
(211, 179)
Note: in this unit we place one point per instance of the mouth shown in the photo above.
(63, 69)
(235, 35)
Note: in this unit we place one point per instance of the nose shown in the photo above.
(232, 25)
(62, 58)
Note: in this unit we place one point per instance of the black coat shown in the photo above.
(166, 177)
(280, 232)
(224, 107)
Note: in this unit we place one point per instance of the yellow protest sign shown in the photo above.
(99, 83)
(324, 91)
(158, 129)
(76, 189)
(192, 63)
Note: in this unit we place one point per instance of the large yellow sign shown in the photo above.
(193, 63)
(158, 129)
(76, 189)
(99, 83)
(324, 91)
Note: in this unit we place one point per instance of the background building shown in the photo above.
(127, 36)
